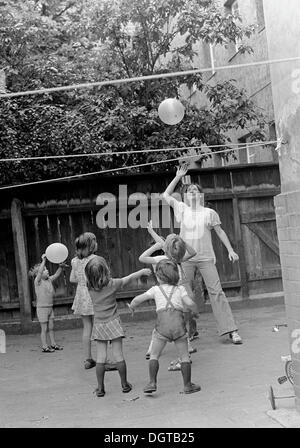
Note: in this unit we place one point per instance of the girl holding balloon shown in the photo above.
(44, 290)
(86, 246)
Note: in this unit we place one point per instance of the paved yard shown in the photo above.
(53, 390)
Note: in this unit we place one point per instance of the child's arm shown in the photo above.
(190, 252)
(146, 256)
(135, 275)
(155, 236)
(189, 303)
(138, 300)
(41, 269)
(73, 277)
(58, 272)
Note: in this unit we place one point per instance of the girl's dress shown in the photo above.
(107, 323)
(82, 303)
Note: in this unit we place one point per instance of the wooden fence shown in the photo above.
(31, 218)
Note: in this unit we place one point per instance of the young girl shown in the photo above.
(107, 324)
(44, 291)
(86, 246)
(170, 299)
(177, 250)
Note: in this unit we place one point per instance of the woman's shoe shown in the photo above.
(236, 338)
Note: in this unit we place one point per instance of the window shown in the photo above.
(232, 7)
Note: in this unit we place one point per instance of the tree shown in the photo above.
(52, 43)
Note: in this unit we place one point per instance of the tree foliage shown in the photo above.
(48, 43)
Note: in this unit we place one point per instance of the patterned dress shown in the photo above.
(82, 303)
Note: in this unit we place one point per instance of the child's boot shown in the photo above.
(186, 371)
(122, 369)
(100, 371)
(153, 369)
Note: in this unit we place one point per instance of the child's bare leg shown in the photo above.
(150, 347)
(117, 350)
(51, 332)
(157, 347)
(86, 336)
(100, 367)
(44, 328)
(183, 353)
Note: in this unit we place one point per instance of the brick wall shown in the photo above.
(288, 225)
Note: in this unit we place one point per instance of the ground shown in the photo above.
(53, 390)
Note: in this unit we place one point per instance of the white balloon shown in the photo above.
(57, 253)
(171, 111)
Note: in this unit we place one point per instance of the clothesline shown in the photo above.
(142, 151)
(79, 176)
(145, 78)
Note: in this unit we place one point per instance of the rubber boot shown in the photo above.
(122, 369)
(153, 370)
(100, 372)
(186, 371)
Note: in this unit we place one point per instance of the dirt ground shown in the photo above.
(40, 390)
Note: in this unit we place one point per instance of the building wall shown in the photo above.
(256, 80)
(283, 33)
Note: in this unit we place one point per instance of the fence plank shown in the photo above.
(260, 232)
(21, 262)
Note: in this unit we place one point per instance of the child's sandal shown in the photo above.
(56, 347)
(127, 388)
(47, 350)
(99, 392)
(89, 363)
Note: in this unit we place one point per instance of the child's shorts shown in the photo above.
(107, 331)
(170, 324)
(44, 313)
(157, 335)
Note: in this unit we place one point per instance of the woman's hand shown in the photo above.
(233, 256)
(146, 271)
(182, 170)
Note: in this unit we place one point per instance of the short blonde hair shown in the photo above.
(175, 247)
(34, 270)
(167, 272)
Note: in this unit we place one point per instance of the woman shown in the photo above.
(196, 223)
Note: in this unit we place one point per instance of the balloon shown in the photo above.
(171, 111)
(57, 253)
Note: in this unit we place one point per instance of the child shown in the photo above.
(44, 291)
(86, 246)
(107, 326)
(170, 299)
(177, 250)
